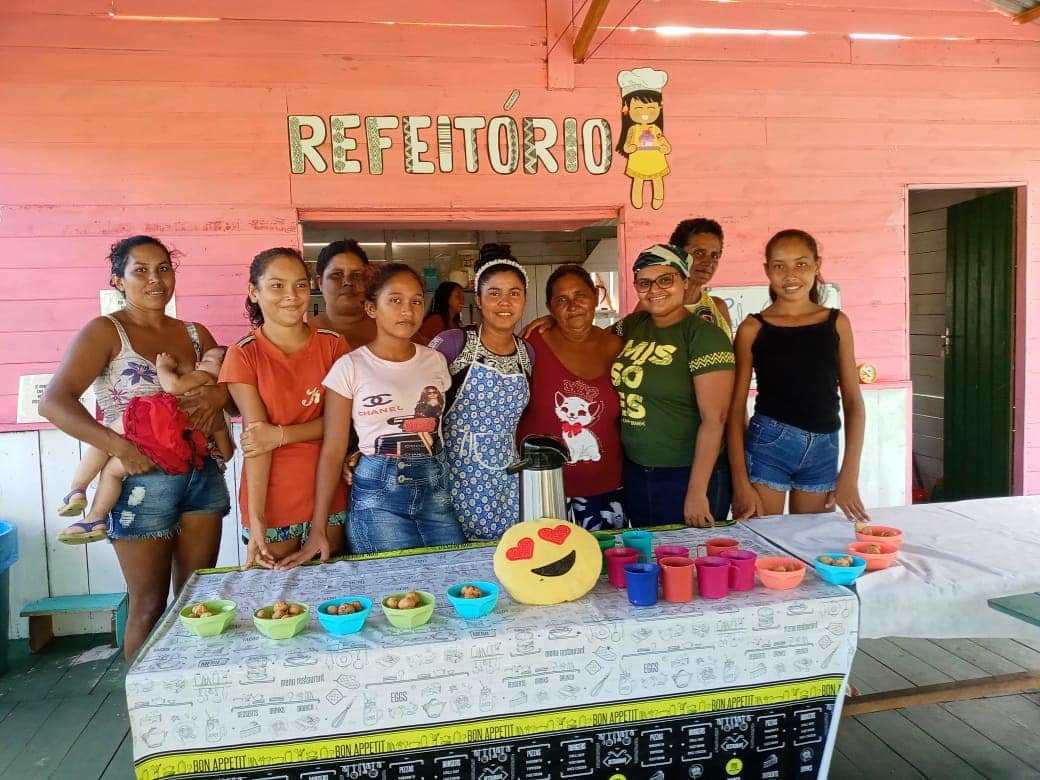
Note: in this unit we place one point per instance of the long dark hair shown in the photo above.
(441, 303)
(256, 270)
(810, 242)
(643, 96)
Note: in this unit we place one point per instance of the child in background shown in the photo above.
(399, 495)
(802, 353)
(110, 484)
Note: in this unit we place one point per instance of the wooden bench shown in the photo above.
(40, 614)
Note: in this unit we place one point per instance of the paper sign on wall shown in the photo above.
(752, 298)
(112, 301)
(30, 390)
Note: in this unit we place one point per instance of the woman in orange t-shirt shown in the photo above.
(275, 377)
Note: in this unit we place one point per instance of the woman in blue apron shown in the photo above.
(490, 369)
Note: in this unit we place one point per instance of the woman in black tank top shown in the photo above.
(802, 353)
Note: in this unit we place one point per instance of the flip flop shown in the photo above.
(74, 503)
(90, 533)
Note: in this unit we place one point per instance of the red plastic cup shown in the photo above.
(671, 551)
(676, 577)
(741, 569)
(712, 576)
(617, 559)
(720, 544)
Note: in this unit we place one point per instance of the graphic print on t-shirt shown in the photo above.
(419, 431)
(576, 413)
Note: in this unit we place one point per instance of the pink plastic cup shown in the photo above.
(720, 544)
(671, 551)
(676, 577)
(712, 576)
(741, 569)
(617, 559)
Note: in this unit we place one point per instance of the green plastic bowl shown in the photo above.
(411, 618)
(224, 611)
(283, 628)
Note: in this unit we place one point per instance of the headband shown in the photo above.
(503, 261)
(664, 254)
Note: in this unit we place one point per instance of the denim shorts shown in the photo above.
(295, 531)
(398, 503)
(784, 458)
(150, 505)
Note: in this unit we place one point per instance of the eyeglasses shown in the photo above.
(664, 281)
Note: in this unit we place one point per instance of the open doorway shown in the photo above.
(963, 275)
(445, 252)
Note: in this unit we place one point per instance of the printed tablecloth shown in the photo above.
(747, 686)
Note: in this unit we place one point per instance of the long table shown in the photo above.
(748, 686)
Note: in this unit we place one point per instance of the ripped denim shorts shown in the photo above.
(151, 504)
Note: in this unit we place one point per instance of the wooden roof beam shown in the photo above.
(588, 29)
(1023, 18)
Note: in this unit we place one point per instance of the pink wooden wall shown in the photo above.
(110, 127)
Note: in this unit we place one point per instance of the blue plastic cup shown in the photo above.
(641, 581)
(643, 541)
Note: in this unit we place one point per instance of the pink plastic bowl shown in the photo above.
(875, 561)
(863, 536)
(780, 580)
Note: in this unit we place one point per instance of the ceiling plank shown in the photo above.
(588, 29)
(1027, 16)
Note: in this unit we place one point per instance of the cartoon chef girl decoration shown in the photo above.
(642, 132)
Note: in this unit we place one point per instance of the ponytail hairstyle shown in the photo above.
(810, 243)
(256, 270)
(496, 258)
(119, 254)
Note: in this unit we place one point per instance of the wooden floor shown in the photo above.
(59, 720)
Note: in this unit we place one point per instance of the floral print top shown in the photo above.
(129, 376)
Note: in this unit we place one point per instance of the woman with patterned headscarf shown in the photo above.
(674, 376)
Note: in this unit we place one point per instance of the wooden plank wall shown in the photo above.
(110, 127)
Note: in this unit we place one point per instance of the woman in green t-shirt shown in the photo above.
(675, 377)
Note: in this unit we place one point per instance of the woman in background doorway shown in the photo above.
(343, 271)
(445, 310)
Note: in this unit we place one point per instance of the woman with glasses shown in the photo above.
(674, 376)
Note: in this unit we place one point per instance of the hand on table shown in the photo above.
(317, 544)
(846, 496)
(696, 511)
(746, 503)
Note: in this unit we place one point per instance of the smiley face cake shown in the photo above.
(547, 561)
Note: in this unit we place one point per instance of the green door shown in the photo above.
(980, 316)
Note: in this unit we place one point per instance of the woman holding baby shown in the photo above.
(572, 397)
(162, 525)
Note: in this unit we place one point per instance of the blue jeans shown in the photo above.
(150, 505)
(400, 503)
(720, 491)
(783, 457)
(654, 496)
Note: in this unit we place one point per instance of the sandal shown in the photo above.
(90, 532)
(74, 503)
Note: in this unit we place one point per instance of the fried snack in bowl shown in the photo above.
(839, 568)
(411, 609)
(780, 573)
(281, 620)
(877, 555)
(345, 615)
(473, 599)
(880, 534)
(209, 618)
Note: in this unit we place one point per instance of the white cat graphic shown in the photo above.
(577, 415)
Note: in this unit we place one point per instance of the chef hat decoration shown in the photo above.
(639, 79)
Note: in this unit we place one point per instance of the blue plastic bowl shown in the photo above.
(474, 608)
(839, 575)
(341, 625)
